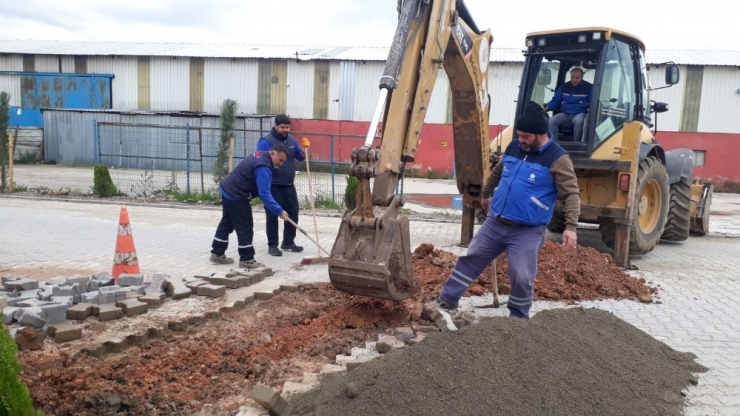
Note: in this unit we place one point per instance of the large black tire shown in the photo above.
(678, 225)
(557, 223)
(650, 208)
(649, 211)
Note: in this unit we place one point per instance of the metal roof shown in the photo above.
(207, 50)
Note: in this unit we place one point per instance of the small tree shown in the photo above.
(102, 183)
(14, 396)
(4, 145)
(228, 122)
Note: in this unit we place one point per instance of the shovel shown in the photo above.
(309, 237)
(496, 302)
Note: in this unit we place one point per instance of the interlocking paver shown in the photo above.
(698, 285)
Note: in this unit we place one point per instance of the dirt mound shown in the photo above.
(215, 363)
(575, 275)
(219, 360)
(561, 362)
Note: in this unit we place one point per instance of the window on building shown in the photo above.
(699, 156)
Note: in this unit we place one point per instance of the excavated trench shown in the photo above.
(215, 364)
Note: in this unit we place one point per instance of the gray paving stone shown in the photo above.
(54, 314)
(176, 288)
(111, 294)
(90, 297)
(211, 290)
(154, 300)
(27, 303)
(80, 312)
(21, 284)
(69, 300)
(103, 279)
(28, 318)
(81, 280)
(132, 307)
(157, 283)
(107, 312)
(29, 294)
(9, 314)
(130, 279)
(68, 290)
(64, 332)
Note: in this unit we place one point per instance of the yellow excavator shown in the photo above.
(637, 192)
(371, 255)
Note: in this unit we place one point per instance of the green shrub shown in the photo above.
(350, 193)
(14, 396)
(102, 183)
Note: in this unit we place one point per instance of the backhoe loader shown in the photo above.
(371, 255)
(636, 191)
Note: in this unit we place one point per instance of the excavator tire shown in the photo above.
(678, 225)
(650, 208)
(557, 223)
(649, 211)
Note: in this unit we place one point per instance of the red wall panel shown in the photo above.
(436, 150)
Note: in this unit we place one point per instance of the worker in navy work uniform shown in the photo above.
(283, 188)
(251, 178)
(572, 100)
(525, 183)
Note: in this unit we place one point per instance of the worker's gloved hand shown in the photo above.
(305, 143)
(284, 216)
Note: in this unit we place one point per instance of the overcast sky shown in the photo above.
(661, 24)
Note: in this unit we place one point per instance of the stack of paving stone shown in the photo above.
(46, 306)
(215, 285)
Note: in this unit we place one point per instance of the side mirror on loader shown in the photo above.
(671, 75)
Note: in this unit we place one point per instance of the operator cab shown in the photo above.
(613, 62)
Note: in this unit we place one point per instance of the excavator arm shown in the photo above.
(371, 255)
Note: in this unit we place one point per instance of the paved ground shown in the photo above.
(700, 290)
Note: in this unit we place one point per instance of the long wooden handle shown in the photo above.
(309, 237)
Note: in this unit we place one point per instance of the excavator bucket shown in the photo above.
(372, 256)
(701, 202)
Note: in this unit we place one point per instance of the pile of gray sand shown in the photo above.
(561, 362)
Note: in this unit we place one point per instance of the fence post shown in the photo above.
(11, 156)
(331, 150)
(96, 139)
(187, 152)
(200, 151)
(231, 154)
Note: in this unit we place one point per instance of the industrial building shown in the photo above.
(334, 90)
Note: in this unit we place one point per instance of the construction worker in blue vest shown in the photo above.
(252, 178)
(283, 187)
(518, 197)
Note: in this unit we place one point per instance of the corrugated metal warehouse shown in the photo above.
(318, 85)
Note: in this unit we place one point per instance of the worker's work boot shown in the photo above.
(250, 264)
(222, 259)
(294, 248)
(274, 251)
(429, 309)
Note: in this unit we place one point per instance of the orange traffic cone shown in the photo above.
(125, 260)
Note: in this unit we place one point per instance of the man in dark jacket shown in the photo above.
(283, 188)
(572, 100)
(251, 178)
(533, 173)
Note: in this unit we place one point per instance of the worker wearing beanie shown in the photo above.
(519, 198)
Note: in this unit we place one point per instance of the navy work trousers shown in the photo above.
(287, 198)
(237, 216)
(522, 245)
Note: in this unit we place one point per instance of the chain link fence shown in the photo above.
(174, 158)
